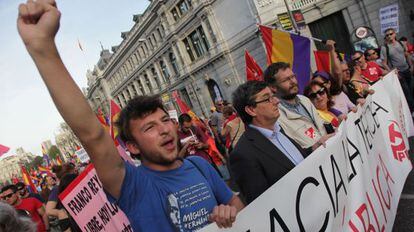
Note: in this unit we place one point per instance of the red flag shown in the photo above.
(323, 61)
(27, 180)
(253, 70)
(115, 112)
(3, 149)
(181, 104)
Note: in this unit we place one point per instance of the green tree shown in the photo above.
(54, 152)
(37, 161)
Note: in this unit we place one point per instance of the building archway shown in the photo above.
(214, 90)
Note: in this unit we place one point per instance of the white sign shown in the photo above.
(389, 18)
(353, 184)
(173, 114)
(82, 155)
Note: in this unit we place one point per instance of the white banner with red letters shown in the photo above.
(353, 184)
(88, 205)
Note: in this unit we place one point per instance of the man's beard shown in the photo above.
(158, 159)
(287, 95)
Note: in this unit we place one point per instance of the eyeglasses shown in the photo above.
(320, 92)
(5, 197)
(268, 99)
(345, 70)
(289, 78)
(389, 34)
(370, 54)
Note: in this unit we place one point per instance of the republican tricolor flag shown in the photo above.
(294, 49)
(27, 180)
(115, 112)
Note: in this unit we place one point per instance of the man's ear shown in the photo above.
(132, 147)
(250, 110)
(272, 88)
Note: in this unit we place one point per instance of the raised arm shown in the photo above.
(38, 23)
(336, 71)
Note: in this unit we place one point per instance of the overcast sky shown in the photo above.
(27, 113)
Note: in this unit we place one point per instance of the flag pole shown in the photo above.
(295, 26)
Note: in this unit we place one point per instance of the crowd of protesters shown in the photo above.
(246, 145)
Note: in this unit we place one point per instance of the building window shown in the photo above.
(175, 14)
(186, 97)
(156, 77)
(147, 82)
(154, 38)
(159, 33)
(196, 43)
(182, 5)
(188, 48)
(210, 30)
(141, 88)
(164, 70)
(134, 92)
(173, 61)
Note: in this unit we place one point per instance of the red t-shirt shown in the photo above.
(31, 205)
(372, 72)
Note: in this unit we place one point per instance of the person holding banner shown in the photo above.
(298, 117)
(165, 193)
(264, 153)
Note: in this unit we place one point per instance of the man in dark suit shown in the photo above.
(264, 154)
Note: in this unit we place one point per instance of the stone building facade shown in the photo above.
(195, 47)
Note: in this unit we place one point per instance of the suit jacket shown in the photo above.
(256, 163)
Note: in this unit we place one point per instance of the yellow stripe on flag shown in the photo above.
(282, 50)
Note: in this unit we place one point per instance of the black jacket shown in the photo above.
(256, 163)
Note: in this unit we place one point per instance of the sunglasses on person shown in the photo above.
(357, 59)
(370, 54)
(5, 197)
(320, 92)
(389, 34)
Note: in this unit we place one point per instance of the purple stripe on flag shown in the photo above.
(301, 60)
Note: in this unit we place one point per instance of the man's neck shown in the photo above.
(270, 125)
(162, 167)
(18, 201)
(292, 101)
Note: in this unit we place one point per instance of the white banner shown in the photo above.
(354, 184)
(82, 155)
(389, 18)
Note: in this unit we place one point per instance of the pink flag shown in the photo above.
(3, 149)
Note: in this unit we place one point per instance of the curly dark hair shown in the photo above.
(138, 107)
(308, 90)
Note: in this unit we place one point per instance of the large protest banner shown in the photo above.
(352, 184)
(87, 203)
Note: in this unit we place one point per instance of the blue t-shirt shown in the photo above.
(174, 200)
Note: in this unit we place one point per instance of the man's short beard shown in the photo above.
(289, 96)
(159, 160)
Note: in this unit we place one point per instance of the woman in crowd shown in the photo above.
(341, 101)
(322, 100)
(66, 222)
(233, 127)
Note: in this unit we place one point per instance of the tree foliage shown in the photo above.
(54, 152)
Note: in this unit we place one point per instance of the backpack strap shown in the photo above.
(198, 168)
